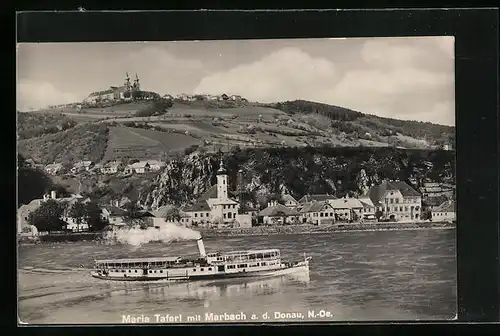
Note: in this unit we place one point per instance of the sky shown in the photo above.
(409, 78)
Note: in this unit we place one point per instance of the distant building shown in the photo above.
(445, 212)
(216, 205)
(123, 92)
(368, 212)
(156, 165)
(317, 198)
(347, 208)
(397, 200)
(277, 213)
(113, 215)
(289, 201)
(318, 212)
(54, 168)
(81, 166)
(140, 167)
(25, 210)
(112, 167)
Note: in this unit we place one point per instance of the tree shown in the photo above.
(32, 183)
(48, 216)
(172, 214)
(77, 212)
(93, 216)
(133, 210)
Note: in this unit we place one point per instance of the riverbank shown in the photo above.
(318, 229)
(258, 231)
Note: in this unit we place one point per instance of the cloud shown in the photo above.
(37, 94)
(288, 73)
(441, 113)
(170, 75)
(395, 79)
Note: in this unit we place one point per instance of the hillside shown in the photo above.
(106, 111)
(358, 124)
(33, 183)
(30, 125)
(216, 126)
(297, 170)
(128, 142)
(83, 142)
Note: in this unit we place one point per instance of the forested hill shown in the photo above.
(359, 123)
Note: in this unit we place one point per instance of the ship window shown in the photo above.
(123, 271)
(201, 269)
(263, 264)
(194, 269)
(129, 271)
(161, 271)
(135, 271)
(210, 268)
(258, 264)
(242, 265)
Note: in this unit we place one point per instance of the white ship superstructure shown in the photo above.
(253, 263)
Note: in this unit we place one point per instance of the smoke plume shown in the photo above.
(136, 236)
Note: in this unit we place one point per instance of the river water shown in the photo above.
(354, 276)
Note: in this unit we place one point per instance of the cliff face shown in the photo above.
(299, 171)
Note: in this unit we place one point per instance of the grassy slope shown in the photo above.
(297, 123)
(30, 125)
(143, 144)
(86, 141)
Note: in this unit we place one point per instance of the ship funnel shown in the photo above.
(201, 247)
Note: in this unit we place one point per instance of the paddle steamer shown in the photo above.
(258, 263)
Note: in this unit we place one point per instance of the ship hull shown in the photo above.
(299, 268)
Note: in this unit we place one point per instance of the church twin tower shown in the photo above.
(134, 87)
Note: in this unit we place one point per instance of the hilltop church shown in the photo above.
(216, 205)
(123, 92)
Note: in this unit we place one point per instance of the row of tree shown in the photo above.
(49, 216)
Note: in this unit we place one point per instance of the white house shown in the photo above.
(140, 167)
(74, 225)
(317, 198)
(289, 201)
(113, 215)
(397, 200)
(53, 168)
(368, 209)
(216, 205)
(112, 167)
(318, 212)
(25, 210)
(277, 213)
(445, 212)
(347, 208)
(81, 166)
(156, 165)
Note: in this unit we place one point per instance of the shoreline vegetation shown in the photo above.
(260, 231)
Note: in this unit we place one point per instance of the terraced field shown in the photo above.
(144, 144)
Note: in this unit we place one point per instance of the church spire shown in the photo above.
(127, 80)
(222, 170)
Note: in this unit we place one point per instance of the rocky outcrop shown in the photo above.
(298, 171)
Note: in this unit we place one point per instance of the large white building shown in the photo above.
(445, 212)
(216, 205)
(396, 200)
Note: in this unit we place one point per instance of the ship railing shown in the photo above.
(245, 260)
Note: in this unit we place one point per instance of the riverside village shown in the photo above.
(389, 204)
(218, 209)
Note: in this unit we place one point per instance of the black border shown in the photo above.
(476, 45)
